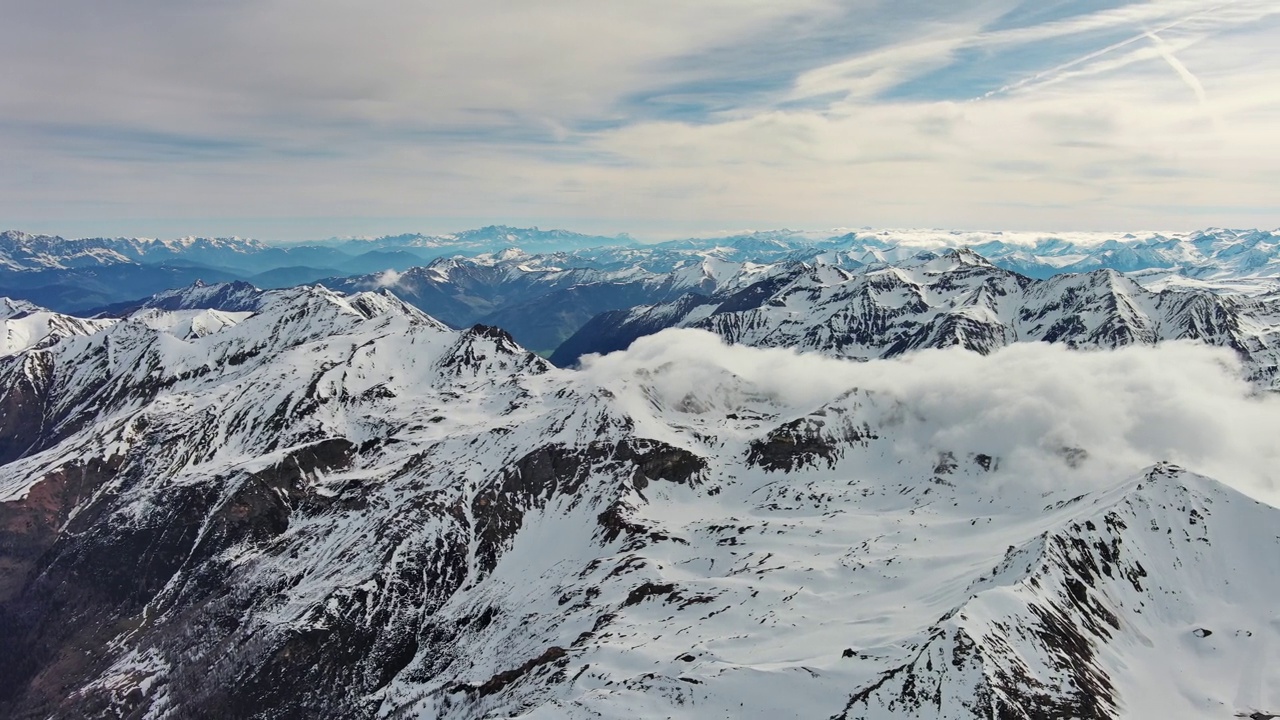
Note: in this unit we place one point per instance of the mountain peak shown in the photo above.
(491, 351)
(968, 256)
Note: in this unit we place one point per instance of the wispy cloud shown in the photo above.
(621, 116)
(1193, 82)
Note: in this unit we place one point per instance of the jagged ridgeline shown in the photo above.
(543, 286)
(956, 298)
(321, 505)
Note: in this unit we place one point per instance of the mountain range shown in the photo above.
(772, 475)
(334, 506)
(957, 298)
(80, 276)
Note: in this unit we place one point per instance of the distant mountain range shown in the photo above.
(482, 240)
(80, 275)
(550, 288)
(21, 251)
(1204, 257)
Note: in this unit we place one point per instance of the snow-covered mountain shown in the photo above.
(1222, 260)
(542, 299)
(1246, 261)
(23, 251)
(956, 298)
(28, 326)
(14, 308)
(334, 506)
(236, 296)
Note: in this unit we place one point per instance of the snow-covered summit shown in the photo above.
(10, 308)
(27, 326)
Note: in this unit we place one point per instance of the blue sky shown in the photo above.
(290, 120)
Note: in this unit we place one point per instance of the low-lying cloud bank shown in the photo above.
(1129, 408)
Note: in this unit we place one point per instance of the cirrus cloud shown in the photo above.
(271, 117)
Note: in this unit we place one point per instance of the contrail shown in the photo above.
(1187, 76)
(1055, 71)
(1051, 72)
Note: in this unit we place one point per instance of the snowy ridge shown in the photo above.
(230, 297)
(14, 308)
(1081, 594)
(516, 269)
(957, 298)
(28, 326)
(338, 507)
(1221, 260)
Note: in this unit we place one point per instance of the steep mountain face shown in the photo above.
(337, 507)
(957, 298)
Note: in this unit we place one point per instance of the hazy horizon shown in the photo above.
(649, 239)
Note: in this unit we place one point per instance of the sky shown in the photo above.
(291, 120)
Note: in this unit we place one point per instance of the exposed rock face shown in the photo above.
(822, 436)
(30, 526)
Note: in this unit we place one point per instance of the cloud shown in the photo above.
(1193, 82)
(616, 116)
(388, 279)
(281, 67)
(1128, 408)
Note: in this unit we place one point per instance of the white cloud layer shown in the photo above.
(1129, 408)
